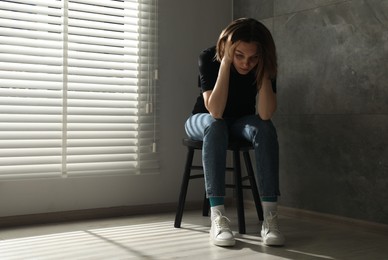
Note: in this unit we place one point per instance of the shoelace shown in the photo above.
(272, 222)
(222, 223)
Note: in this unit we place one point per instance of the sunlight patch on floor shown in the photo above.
(310, 254)
(153, 240)
(132, 241)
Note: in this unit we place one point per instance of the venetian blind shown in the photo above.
(77, 87)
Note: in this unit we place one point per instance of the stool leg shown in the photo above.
(184, 186)
(239, 192)
(252, 181)
(206, 206)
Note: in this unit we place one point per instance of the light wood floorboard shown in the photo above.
(154, 237)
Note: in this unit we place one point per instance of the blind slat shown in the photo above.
(38, 52)
(48, 7)
(74, 89)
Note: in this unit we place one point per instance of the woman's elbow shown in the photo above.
(265, 116)
(266, 113)
(216, 115)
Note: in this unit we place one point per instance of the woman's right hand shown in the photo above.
(229, 48)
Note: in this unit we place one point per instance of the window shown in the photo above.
(77, 87)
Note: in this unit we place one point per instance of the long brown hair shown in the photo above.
(251, 31)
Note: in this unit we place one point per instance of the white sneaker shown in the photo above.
(270, 231)
(220, 233)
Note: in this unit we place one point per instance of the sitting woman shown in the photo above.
(237, 78)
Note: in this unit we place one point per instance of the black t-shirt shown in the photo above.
(242, 88)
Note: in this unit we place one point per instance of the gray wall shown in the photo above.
(333, 101)
(185, 29)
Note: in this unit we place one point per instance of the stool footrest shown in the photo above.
(196, 167)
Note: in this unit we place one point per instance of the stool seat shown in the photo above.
(236, 147)
(241, 145)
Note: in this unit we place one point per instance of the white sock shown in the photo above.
(269, 208)
(216, 210)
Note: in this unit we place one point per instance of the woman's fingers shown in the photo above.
(229, 49)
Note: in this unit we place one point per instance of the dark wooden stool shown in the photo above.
(236, 147)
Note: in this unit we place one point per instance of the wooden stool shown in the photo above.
(236, 147)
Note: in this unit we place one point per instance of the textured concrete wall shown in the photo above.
(332, 116)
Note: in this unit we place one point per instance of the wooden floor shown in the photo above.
(154, 237)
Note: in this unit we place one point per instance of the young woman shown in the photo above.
(237, 79)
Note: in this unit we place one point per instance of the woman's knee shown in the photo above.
(196, 125)
(266, 130)
(217, 127)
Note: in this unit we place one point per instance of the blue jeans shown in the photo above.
(215, 134)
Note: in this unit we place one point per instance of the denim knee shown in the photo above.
(217, 129)
(266, 131)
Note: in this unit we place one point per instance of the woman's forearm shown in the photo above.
(266, 100)
(216, 101)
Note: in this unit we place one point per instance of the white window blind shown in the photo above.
(77, 87)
